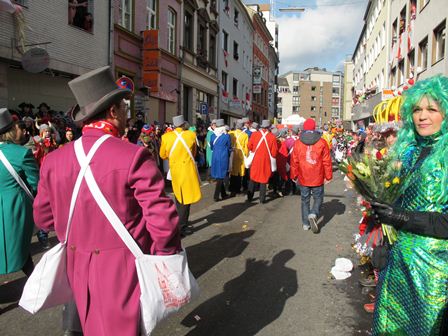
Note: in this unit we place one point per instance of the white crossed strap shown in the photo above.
(105, 207)
(16, 176)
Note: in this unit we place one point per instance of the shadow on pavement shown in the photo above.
(224, 214)
(249, 302)
(329, 210)
(207, 254)
(10, 293)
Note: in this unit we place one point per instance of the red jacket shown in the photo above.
(311, 160)
(260, 171)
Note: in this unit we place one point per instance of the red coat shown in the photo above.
(100, 268)
(311, 163)
(282, 160)
(260, 171)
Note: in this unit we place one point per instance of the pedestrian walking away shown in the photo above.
(310, 167)
(222, 147)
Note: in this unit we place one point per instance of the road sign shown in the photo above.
(125, 83)
(203, 108)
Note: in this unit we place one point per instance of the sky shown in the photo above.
(323, 35)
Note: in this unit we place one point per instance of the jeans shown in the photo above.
(318, 197)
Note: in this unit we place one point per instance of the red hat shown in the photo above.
(309, 125)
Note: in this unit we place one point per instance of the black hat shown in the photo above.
(44, 104)
(23, 104)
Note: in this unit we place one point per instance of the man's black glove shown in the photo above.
(387, 214)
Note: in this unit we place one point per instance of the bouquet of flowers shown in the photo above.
(376, 177)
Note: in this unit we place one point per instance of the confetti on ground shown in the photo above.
(197, 317)
(245, 227)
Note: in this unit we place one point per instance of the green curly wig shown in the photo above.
(435, 88)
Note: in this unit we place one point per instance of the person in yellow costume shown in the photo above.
(239, 140)
(179, 147)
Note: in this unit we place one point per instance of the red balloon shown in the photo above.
(405, 87)
(411, 81)
(399, 93)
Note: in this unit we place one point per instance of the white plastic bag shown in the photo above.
(248, 159)
(166, 285)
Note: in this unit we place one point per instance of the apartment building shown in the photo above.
(348, 94)
(57, 44)
(274, 59)
(199, 72)
(284, 100)
(235, 61)
(261, 45)
(315, 93)
(370, 59)
(418, 46)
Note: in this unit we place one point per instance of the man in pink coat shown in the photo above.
(100, 268)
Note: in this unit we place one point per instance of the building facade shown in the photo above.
(199, 71)
(370, 60)
(316, 93)
(57, 45)
(260, 86)
(284, 100)
(347, 102)
(235, 61)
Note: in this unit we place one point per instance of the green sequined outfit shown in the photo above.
(412, 290)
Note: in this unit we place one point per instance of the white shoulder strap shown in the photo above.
(16, 176)
(267, 146)
(84, 165)
(185, 145)
(239, 143)
(174, 145)
(216, 139)
(105, 207)
(263, 135)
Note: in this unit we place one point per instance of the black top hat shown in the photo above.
(6, 120)
(43, 104)
(95, 91)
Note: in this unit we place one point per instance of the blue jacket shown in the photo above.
(220, 157)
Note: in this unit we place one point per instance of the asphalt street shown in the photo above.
(259, 272)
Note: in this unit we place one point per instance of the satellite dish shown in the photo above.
(35, 60)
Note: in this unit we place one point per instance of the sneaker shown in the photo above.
(313, 221)
(306, 227)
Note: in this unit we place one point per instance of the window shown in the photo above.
(295, 77)
(423, 54)
(295, 89)
(336, 79)
(235, 88)
(171, 31)
(313, 108)
(393, 74)
(235, 50)
(151, 18)
(295, 99)
(188, 30)
(125, 14)
(224, 80)
(80, 13)
(202, 39)
(313, 88)
(410, 67)
(335, 91)
(212, 50)
(236, 17)
(313, 98)
(438, 43)
(423, 3)
(295, 108)
(225, 40)
(401, 72)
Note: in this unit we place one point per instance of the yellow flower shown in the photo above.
(396, 180)
(387, 184)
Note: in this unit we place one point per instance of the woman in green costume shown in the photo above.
(413, 288)
(16, 208)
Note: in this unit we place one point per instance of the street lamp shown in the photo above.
(292, 9)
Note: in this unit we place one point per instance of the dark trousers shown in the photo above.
(28, 267)
(251, 190)
(245, 180)
(235, 184)
(219, 188)
(70, 318)
(183, 211)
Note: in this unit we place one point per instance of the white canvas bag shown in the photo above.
(273, 159)
(248, 160)
(166, 283)
(48, 284)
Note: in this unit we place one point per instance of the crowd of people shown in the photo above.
(243, 158)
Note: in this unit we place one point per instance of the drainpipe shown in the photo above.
(110, 43)
(219, 67)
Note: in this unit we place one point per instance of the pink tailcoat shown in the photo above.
(100, 268)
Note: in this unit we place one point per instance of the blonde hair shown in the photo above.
(10, 135)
